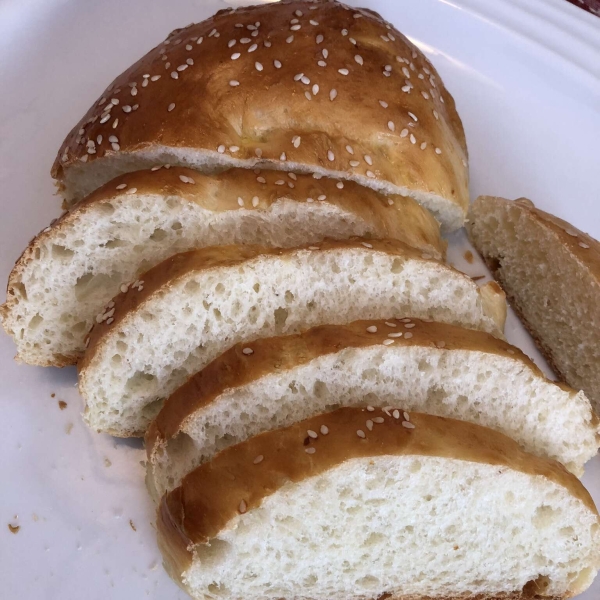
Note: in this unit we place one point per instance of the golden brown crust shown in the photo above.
(196, 103)
(235, 369)
(211, 495)
(393, 217)
(205, 259)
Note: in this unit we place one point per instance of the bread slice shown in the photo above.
(439, 369)
(551, 273)
(73, 268)
(416, 507)
(334, 91)
(189, 309)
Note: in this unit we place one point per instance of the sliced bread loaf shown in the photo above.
(192, 307)
(430, 367)
(301, 86)
(551, 273)
(73, 268)
(416, 507)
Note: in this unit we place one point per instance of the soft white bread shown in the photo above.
(194, 306)
(439, 369)
(300, 86)
(73, 268)
(416, 507)
(551, 273)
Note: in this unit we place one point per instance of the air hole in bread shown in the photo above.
(192, 286)
(139, 381)
(116, 359)
(158, 235)
(545, 516)
(35, 322)
(397, 265)
(280, 314)
(106, 207)
(60, 252)
(256, 287)
(176, 226)
(87, 285)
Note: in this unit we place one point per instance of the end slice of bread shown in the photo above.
(73, 268)
(551, 273)
(189, 309)
(416, 507)
(439, 369)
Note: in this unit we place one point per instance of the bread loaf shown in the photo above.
(551, 273)
(298, 85)
(417, 507)
(439, 369)
(75, 267)
(189, 309)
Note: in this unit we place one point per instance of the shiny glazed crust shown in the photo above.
(334, 88)
(213, 495)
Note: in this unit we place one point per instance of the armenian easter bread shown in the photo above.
(76, 266)
(429, 367)
(189, 309)
(551, 272)
(302, 86)
(418, 507)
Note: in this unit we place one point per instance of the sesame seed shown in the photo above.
(378, 420)
(280, 182)
(383, 103)
(113, 139)
(412, 116)
(395, 334)
(313, 22)
(408, 335)
(277, 64)
(388, 342)
(261, 180)
(339, 185)
(435, 114)
(296, 141)
(121, 186)
(396, 414)
(406, 416)
(369, 425)
(283, 156)
(391, 126)
(372, 328)
(315, 89)
(115, 146)
(388, 68)
(255, 201)
(310, 450)
(258, 66)
(370, 408)
(298, 13)
(312, 434)
(325, 52)
(406, 72)
(289, 39)
(319, 38)
(571, 232)
(295, 27)
(409, 325)
(407, 425)
(423, 145)
(124, 288)
(253, 48)
(247, 351)
(324, 429)
(322, 63)
(354, 163)
(182, 67)
(243, 507)
(583, 245)
(368, 160)
(352, 40)
(305, 80)
(234, 83)
(293, 176)
(390, 324)
(221, 149)
(405, 88)
(234, 149)
(174, 75)
(344, 32)
(298, 76)
(131, 191)
(171, 106)
(425, 95)
(413, 139)
(438, 151)
(109, 321)
(349, 149)
(322, 197)
(343, 71)
(267, 43)
(333, 94)
(360, 433)
(307, 95)
(358, 58)
(330, 156)
(235, 56)
(258, 459)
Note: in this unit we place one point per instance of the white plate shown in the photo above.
(526, 77)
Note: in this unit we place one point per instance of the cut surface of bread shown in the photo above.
(439, 369)
(416, 507)
(73, 269)
(551, 273)
(192, 307)
(336, 91)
